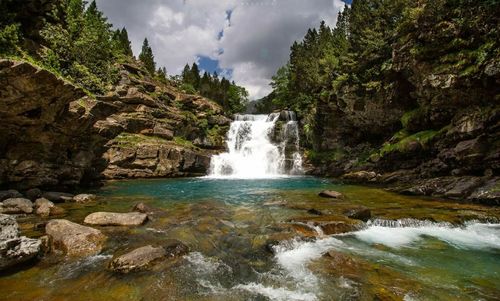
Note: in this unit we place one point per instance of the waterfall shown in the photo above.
(260, 146)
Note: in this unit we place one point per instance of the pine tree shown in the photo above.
(147, 58)
(195, 75)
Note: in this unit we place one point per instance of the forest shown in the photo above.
(77, 42)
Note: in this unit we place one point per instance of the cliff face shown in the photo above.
(53, 135)
(433, 127)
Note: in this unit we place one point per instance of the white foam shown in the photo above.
(471, 236)
(277, 294)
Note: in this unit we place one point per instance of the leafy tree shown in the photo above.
(147, 58)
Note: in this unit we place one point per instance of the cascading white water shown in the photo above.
(252, 152)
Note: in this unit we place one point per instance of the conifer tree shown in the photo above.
(147, 58)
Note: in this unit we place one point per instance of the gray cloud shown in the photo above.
(255, 43)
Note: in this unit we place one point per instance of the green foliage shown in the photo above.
(147, 57)
(423, 138)
(230, 96)
(188, 88)
(9, 38)
(121, 43)
(326, 156)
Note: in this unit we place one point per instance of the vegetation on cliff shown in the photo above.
(75, 40)
(399, 86)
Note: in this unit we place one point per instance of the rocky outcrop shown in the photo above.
(116, 219)
(13, 248)
(53, 135)
(74, 239)
(432, 125)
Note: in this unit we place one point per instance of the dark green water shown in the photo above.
(437, 251)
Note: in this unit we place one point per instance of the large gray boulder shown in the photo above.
(74, 239)
(16, 205)
(116, 219)
(13, 248)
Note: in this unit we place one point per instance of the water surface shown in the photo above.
(241, 247)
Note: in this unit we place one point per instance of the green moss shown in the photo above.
(131, 140)
(423, 137)
(325, 156)
(183, 142)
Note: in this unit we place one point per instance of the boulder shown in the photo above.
(9, 194)
(33, 194)
(58, 197)
(175, 248)
(142, 208)
(361, 213)
(17, 205)
(43, 207)
(329, 224)
(116, 219)
(74, 239)
(138, 259)
(15, 249)
(84, 198)
(331, 194)
(361, 176)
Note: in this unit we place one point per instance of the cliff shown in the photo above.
(427, 120)
(55, 135)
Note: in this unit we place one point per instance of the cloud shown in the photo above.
(251, 38)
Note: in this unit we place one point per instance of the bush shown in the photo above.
(9, 39)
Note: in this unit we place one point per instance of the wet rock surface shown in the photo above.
(16, 205)
(74, 239)
(138, 259)
(15, 249)
(116, 219)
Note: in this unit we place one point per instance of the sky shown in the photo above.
(243, 40)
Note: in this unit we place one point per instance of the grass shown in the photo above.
(183, 142)
(131, 140)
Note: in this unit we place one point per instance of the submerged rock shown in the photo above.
(13, 248)
(144, 257)
(58, 197)
(33, 194)
(329, 224)
(361, 213)
(138, 259)
(16, 205)
(84, 198)
(116, 219)
(9, 194)
(74, 239)
(331, 194)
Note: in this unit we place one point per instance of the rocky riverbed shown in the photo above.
(283, 239)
